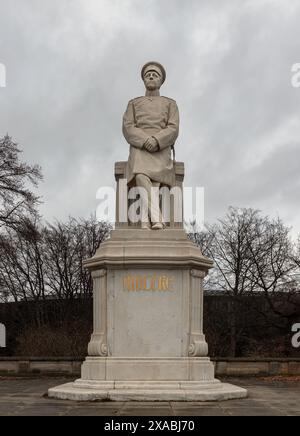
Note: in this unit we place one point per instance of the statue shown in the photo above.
(151, 127)
(148, 342)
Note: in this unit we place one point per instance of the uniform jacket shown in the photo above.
(145, 117)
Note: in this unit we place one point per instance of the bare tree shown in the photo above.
(296, 256)
(226, 242)
(21, 263)
(232, 256)
(38, 262)
(16, 199)
(22, 270)
(253, 257)
(66, 246)
(271, 250)
(204, 239)
(93, 234)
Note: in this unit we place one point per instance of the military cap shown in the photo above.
(154, 66)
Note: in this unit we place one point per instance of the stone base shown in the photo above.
(147, 379)
(148, 369)
(83, 390)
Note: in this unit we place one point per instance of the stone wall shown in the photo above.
(224, 367)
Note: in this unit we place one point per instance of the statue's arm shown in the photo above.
(167, 136)
(133, 135)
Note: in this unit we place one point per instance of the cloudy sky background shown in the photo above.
(72, 66)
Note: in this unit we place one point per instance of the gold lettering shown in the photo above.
(126, 283)
(138, 283)
(147, 288)
(148, 283)
(163, 285)
(153, 283)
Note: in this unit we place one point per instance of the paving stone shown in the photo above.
(254, 412)
(93, 411)
(26, 397)
(144, 411)
(201, 411)
(192, 404)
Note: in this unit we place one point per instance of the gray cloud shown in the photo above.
(73, 65)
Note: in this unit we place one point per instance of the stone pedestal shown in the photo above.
(148, 342)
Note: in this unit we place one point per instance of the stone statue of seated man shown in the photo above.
(151, 127)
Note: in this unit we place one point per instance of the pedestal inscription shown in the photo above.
(148, 282)
(147, 314)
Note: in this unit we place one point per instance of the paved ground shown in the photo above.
(26, 397)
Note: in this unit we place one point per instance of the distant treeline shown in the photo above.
(65, 326)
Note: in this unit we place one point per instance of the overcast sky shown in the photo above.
(72, 66)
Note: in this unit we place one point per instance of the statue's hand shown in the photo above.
(151, 145)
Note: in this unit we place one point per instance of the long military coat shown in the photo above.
(146, 117)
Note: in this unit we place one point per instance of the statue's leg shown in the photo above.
(142, 182)
(150, 201)
(155, 212)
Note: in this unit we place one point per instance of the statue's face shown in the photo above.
(152, 80)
